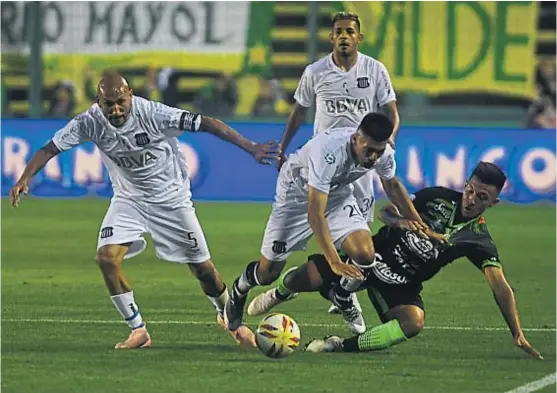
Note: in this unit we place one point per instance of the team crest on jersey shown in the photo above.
(363, 82)
(142, 139)
(330, 158)
(279, 247)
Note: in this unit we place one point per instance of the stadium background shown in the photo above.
(474, 80)
(453, 65)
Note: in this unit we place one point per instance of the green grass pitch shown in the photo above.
(59, 325)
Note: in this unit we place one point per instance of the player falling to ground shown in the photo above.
(149, 174)
(404, 261)
(346, 85)
(314, 196)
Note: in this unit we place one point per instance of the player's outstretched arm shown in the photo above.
(390, 216)
(505, 300)
(295, 120)
(391, 110)
(264, 153)
(317, 202)
(38, 161)
(398, 195)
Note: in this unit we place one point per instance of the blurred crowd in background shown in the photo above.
(268, 95)
(220, 96)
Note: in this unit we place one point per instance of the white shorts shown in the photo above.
(175, 230)
(288, 228)
(365, 196)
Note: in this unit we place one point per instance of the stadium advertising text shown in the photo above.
(453, 46)
(432, 47)
(425, 156)
(99, 27)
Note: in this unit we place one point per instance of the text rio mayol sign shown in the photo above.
(221, 171)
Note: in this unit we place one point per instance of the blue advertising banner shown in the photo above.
(426, 156)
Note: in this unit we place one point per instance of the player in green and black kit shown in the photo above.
(405, 260)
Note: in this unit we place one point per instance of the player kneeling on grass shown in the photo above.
(149, 173)
(404, 261)
(314, 195)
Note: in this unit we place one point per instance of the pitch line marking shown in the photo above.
(535, 385)
(192, 322)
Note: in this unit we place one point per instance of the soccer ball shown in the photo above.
(277, 335)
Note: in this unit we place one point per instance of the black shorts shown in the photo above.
(383, 296)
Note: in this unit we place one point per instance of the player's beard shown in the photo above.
(344, 51)
(368, 164)
(117, 121)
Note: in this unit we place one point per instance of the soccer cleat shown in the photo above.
(234, 310)
(335, 310)
(243, 335)
(352, 317)
(138, 338)
(265, 301)
(354, 320)
(328, 344)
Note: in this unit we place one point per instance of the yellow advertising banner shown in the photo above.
(453, 46)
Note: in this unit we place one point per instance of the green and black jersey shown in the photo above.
(402, 257)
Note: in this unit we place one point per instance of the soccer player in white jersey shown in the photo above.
(314, 195)
(346, 85)
(149, 174)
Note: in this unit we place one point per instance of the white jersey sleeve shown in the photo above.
(305, 92)
(384, 92)
(76, 132)
(173, 121)
(322, 166)
(386, 164)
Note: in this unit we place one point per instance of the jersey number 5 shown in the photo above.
(192, 239)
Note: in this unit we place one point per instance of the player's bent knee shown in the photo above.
(413, 327)
(364, 256)
(359, 247)
(412, 322)
(109, 255)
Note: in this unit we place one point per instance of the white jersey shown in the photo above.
(143, 157)
(344, 98)
(327, 163)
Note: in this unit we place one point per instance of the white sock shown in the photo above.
(220, 301)
(125, 303)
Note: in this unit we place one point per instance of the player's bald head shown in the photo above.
(114, 97)
(113, 84)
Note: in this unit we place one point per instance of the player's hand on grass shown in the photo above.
(521, 342)
(347, 270)
(21, 187)
(265, 153)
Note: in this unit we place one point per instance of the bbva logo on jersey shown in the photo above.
(352, 105)
(138, 160)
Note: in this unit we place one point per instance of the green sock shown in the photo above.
(281, 290)
(380, 337)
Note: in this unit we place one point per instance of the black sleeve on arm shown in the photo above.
(484, 254)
